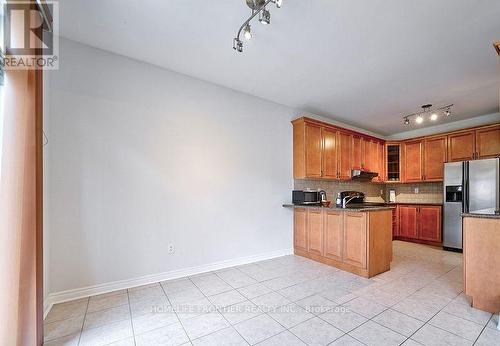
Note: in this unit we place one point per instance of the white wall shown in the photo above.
(140, 157)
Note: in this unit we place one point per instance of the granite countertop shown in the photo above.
(333, 207)
(490, 213)
(414, 203)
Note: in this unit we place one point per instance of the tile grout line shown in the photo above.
(175, 312)
(225, 319)
(131, 319)
(83, 322)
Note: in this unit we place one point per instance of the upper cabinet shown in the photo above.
(393, 167)
(488, 142)
(329, 154)
(434, 158)
(461, 146)
(324, 151)
(357, 152)
(474, 144)
(321, 151)
(413, 161)
(345, 155)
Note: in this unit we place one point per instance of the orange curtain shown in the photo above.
(21, 303)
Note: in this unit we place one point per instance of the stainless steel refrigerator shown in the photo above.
(468, 186)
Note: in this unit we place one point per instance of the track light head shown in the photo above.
(448, 112)
(238, 45)
(434, 116)
(247, 32)
(265, 17)
(279, 3)
(407, 121)
(419, 119)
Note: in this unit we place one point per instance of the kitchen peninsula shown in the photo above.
(482, 258)
(355, 240)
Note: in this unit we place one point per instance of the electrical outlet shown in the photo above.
(171, 249)
(381, 192)
(416, 190)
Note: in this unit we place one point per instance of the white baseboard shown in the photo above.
(64, 296)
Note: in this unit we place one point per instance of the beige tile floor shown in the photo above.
(286, 301)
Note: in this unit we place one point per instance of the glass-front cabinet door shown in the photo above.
(393, 162)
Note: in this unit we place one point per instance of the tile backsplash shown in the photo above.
(427, 192)
(405, 193)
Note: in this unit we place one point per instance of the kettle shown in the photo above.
(322, 195)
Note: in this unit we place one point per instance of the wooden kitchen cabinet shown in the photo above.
(322, 151)
(421, 223)
(429, 223)
(393, 164)
(333, 235)
(461, 146)
(325, 151)
(413, 161)
(354, 251)
(300, 229)
(366, 156)
(434, 158)
(358, 242)
(344, 152)
(329, 154)
(487, 142)
(357, 152)
(408, 221)
(314, 149)
(379, 162)
(315, 231)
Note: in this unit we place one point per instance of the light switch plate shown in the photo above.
(416, 190)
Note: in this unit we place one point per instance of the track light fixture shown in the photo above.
(258, 7)
(428, 111)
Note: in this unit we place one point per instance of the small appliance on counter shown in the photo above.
(354, 199)
(308, 197)
(392, 196)
(346, 197)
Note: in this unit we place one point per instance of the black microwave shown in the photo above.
(301, 197)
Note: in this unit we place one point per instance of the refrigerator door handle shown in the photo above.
(465, 177)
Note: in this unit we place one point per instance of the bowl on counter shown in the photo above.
(326, 204)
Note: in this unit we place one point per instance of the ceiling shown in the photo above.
(365, 63)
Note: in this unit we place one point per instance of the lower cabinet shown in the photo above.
(359, 242)
(408, 221)
(429, 226)
(355, 239)
(333, 234)
(421, 223)
(300, 229)
(315, 231)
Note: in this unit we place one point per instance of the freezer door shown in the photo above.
(453, 173)
(483, 184)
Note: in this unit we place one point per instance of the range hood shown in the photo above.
(360, 175)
